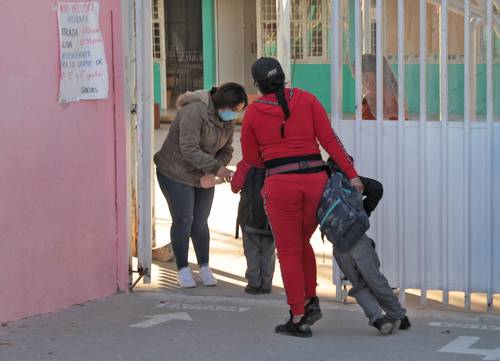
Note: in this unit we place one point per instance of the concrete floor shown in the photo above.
(162, 322)
(221, 323)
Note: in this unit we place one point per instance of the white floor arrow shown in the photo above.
(462, 345)
(158, 319)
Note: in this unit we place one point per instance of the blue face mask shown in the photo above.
(228, 115)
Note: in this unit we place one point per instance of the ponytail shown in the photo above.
(280, 95)
(276, 85)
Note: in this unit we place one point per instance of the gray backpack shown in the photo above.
(342, 219)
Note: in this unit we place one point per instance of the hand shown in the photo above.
(207, 181)
(356, 183)
(225, 174)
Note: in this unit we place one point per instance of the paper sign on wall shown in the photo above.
(84, 73)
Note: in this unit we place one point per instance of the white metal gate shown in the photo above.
(435, 227)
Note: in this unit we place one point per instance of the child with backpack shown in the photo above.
(361, 265)
(258, 241)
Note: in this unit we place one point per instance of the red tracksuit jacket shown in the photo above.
(308, 123)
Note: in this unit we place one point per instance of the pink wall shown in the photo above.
(62, 170)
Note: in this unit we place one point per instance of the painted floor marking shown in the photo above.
(240, 301)
(466, 325)
(158, 319)
(186, 306)
(462, 345)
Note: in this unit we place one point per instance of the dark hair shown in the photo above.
(276, 85)
(229, 95)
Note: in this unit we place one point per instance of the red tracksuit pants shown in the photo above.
(291, 202)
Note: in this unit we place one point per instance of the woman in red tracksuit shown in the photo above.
(280, 132)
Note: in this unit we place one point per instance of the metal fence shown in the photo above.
(435, 228)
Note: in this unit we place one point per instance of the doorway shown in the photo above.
(236, 41)
(184, 45)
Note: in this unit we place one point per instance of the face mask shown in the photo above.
(228, 115)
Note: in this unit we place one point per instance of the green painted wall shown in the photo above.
(157, 83)
(316, 79)
(208, 30)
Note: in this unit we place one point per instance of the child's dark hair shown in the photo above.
(229, 95)
(276, 85)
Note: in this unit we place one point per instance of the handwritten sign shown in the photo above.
(84, 72)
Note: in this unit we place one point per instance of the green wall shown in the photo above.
(316, 79)
(208, 30)
(157, 82)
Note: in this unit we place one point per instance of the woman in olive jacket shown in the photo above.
(198, 148)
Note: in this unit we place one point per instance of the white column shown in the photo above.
(379, 114)
(489, 145)
(367, 27)
(444, 143)
(358, 78)
(401, 150)
(144, 48)
(284, 12)
(336, 64)
(422, 149)
(336, 90)
(468, 45)
(129, 80)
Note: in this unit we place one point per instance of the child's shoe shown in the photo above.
(299, 329)
(252, 289)
(396, 324)
(312, 310)
(405, 323)
(384, 325)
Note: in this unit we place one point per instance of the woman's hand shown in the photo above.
(356, 183)
(225, 174)
(207, 181)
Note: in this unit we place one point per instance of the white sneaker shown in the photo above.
(207, 277)
(185, 278)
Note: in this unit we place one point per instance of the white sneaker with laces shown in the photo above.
(207, 277)
(185, 278)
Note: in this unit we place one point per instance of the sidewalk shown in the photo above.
(223, 324)
(161, 322)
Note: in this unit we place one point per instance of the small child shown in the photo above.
(258, 241)
(361, 266)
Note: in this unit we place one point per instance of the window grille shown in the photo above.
(268, 26)
(309, 29)
(157, 30)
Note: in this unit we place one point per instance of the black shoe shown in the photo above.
(384, 324)
(299, 329)
(405, 323)
(252, 289)
(265, 291)
(312, 311)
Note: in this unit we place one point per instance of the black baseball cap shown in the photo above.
(266, 68)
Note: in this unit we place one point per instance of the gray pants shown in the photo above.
(260, 254)
(370, 288)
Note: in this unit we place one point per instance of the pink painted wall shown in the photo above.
(62, 170)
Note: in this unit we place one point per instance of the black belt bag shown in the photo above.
(295, 165)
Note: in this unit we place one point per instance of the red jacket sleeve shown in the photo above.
(249, 144)
(329, 140)
(238, 180)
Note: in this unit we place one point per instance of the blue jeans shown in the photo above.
(189, 207)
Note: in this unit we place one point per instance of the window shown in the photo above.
(157, 30)
(268, 28)
(309, 28)
(374, 37)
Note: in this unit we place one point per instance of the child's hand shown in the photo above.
(356, 183)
